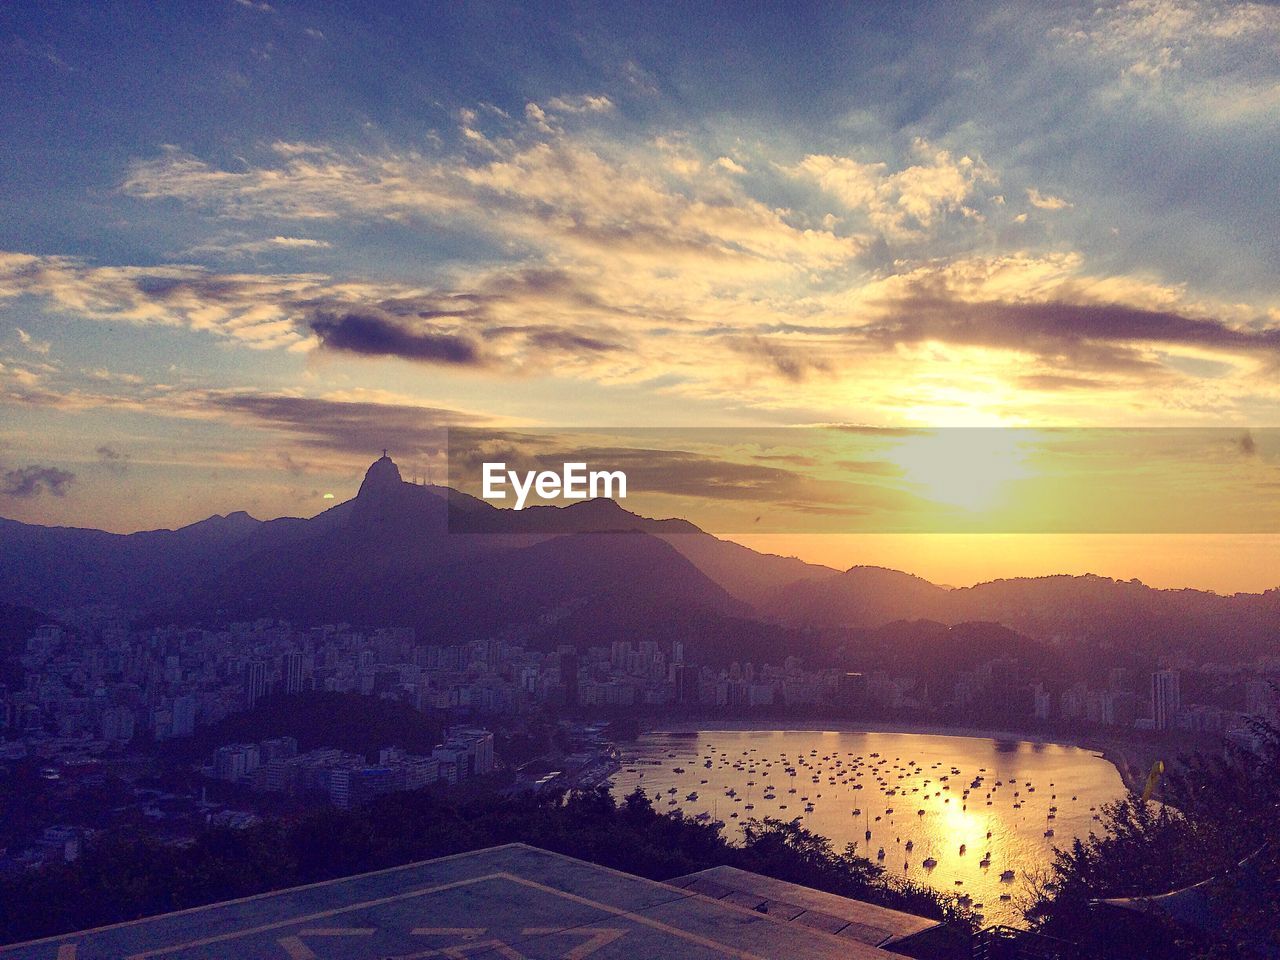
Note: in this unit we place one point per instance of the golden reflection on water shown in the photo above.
(922, 796)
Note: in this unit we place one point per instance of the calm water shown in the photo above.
(925, 792)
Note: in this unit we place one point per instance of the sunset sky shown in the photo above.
(246, 245)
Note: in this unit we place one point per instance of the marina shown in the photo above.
(969, 816)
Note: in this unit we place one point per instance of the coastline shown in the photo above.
(1129, 760)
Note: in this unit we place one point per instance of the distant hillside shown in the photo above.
(1076, 611)
(859, 597)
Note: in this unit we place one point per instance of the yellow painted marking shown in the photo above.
(297, 950)
(504, 949)
(457, 951)
(599, 937)
(266, 895)
(640, 918)
(320, 915)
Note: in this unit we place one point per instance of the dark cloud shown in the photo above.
(1099, 337)
(1051, 381)
(552, 338)
(792, 362)
(347, 427)
(112, 459)
(28, 482)
(375, 334)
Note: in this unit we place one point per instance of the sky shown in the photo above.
(245, 245)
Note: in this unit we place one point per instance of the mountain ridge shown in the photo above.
(412, 544)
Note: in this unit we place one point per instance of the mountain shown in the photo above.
(456, 567)
(400, 525)
(402, 556)
(1122, 617)
(859, 597)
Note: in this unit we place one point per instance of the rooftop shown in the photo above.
(513, 901)
(853, 919)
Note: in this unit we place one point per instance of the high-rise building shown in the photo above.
(293, 673)
(255, 682)
(1166, 701)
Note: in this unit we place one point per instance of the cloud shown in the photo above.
(29, 482)
(1044, 201)
(793, 363)
(689, 473)
(902, 204)
(378, 335)
(1085, 336)
(41, 347)
(112, 459)
(255, 309)
(568, 341)
(1051, 381)
(586, 103)
(352, 427)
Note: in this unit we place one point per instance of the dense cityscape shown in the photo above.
(97, 700)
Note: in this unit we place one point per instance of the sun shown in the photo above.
(966, 467)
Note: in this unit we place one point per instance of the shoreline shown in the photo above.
(1121, 756)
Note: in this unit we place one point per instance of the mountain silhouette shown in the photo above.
(456, 567)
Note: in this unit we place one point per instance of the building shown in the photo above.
(294, 677)
(1166, 701)
(255, 682)
(235, 761)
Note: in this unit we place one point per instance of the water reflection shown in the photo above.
(966, 815)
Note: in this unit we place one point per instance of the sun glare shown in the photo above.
(967, 468)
